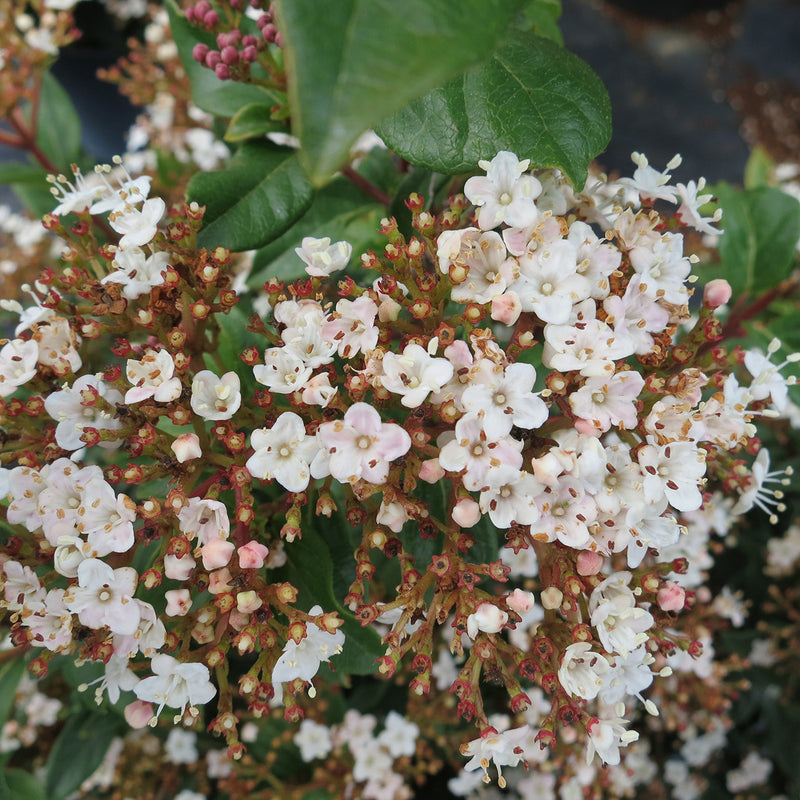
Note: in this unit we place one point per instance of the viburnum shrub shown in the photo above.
(312, 521)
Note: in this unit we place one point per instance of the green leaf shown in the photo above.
(221, 98)
(78, 751)
(10, 675)
(362, 60)
(58, 129)
(531, 97)
(541, 18)
(311, 571)
(339, 211)
(11, 172)
(761, 229)
(252, 121)
(253, 200)
(22, 785)
(758, 169)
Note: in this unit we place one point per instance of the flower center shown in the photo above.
(505, 198)
(363, 442)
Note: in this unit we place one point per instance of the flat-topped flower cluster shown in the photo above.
(530, 351)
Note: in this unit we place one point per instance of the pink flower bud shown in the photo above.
(392, 515)
(487, 618)
(138, 714)
(589, 562)
(179, 601)
(430, 471)
(466, 513)
(186, 447)
(671, 597)
(717, 293)
(237, 620)
(520, 601)
(506, 308)
(217, 553)
(248, 602)
(586, 427)
(389, 310)
(178, 569)
(219, 581)
(252, 555)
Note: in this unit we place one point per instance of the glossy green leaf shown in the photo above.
(362, 60)
(541, 18)
(339, 211)
(252, 121)
(21, 785)
(311, 571)
(254, 199)
(531, 97)
(79, 751)
(758, 169)
(58, 130)
(221, 98)
(12, 172)
(10, 675)
(761, 229)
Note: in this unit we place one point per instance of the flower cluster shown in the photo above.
(511, 440)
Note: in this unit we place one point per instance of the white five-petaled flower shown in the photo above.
(323, 258)
(137, 226)
(175, 684)
(303, 660)
(152, 376)
(360, 446)
(215, 398)
(582, 670)
(505, 193)
(17, 364)
(414, 374)
(283, 452)
(104, 597)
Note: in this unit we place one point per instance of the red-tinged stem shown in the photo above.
(744, 310)
(368, 188)
(11, 140)
(28, 140)
(14, 652)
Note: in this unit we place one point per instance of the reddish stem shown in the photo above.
(368, 188)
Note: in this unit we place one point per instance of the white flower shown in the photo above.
(283, 370)
(582, 670)
(767, 379)
(505, 194)
(303, 660)
(104, 597)
(138, 227)
(674, 470)
(215, 398)
(73, 409)
(504, 749)
(352, 326)
(399, 736)
(136, 273)
(605, 738)
(619, 622)
(152, 376)
(414, 374)
(204, 519)
(283, 452)
(360, 446)
(313, 739)
(323, 258)
(488, 618)
(649, 182)
(175, 684)
(17, 364)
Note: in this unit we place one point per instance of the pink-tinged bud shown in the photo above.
(506, 308)
(200, 51)
(389, 310)
(671, 597)
(252, 555)
(178, 569)
(552, 597)
(248, 602)
(212, 58)
(238, 620)
(138, 714)
(589, 562)
(179, 601)
(219, 581)
(520, 601)
(717, 293)
(487, 618)
(217, 553)
(466, 513)
(586, 427)
(392, 515)
(430, 471)
(223, 73)
(229, 55)
(187, 447)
